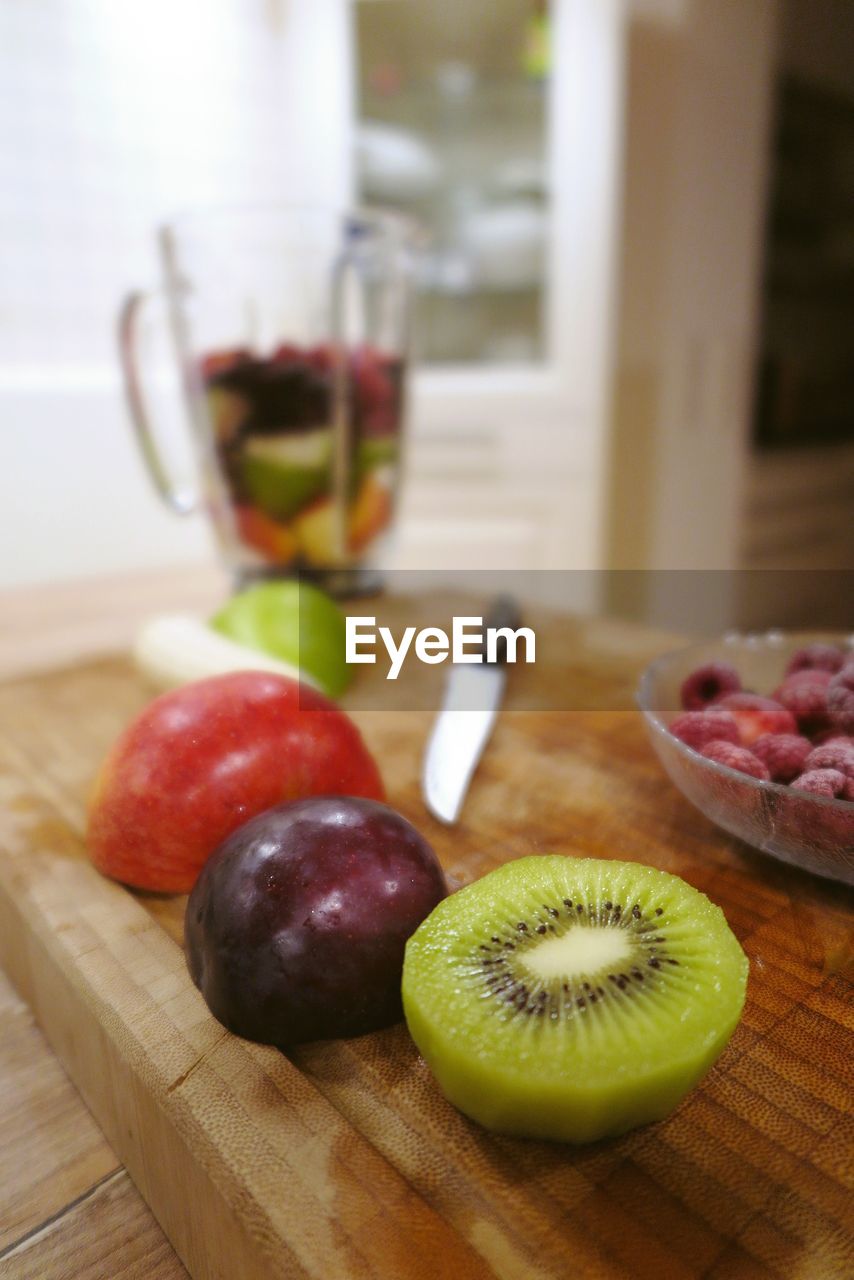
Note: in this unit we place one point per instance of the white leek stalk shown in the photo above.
(177, 648)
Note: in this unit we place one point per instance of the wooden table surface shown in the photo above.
(68, 1207)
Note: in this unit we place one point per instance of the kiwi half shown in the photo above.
(572, 998)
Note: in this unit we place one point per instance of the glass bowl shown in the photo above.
(810, 831)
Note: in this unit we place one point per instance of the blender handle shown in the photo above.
(180, 499)
(345, 268)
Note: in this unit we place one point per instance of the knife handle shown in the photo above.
(503, 612)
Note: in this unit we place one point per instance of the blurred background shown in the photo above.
(635, 305)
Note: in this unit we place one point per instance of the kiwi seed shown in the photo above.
(530, 995)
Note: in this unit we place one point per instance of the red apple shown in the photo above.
(201, 760)
(274, 540)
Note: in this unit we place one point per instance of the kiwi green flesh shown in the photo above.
(589, 1049)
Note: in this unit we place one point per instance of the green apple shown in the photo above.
(374, 452)
(295, 623)
(282, 473)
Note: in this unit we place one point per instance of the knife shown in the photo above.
(469, 709)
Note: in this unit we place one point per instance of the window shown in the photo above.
(452, 124)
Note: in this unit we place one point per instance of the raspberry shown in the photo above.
(805, 695)
(840, 699)
(755, 716)
(832, 755)
(831, 735)
(821, 782)
(809, 676)
(707, 684)
(735, 757)
(816, 657)
(783, 754)
(848, 790)
(696, 728)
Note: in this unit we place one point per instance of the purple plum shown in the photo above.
(296, 926)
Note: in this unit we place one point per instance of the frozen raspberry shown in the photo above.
(696, 728)
(831, 755)
(840, 699)
(755, 716)
(805, 695)
(816, 657)
(707, 684)
(831, 735)
(848, 790)
(735, 757)
(821, 782)
(801, 678)
(783, 754)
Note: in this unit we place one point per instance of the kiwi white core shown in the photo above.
(578, 952)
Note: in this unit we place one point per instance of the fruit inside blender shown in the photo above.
(272, 423)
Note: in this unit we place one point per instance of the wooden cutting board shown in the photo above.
(343, 1160)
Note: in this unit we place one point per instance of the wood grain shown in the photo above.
(45, 627)
(51, 1150)
(108, 1232)
(279, 1183)
(53, 1160)
(343, 1159)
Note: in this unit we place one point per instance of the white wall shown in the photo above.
(113, 115)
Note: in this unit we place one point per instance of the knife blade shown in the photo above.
(470, 705)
